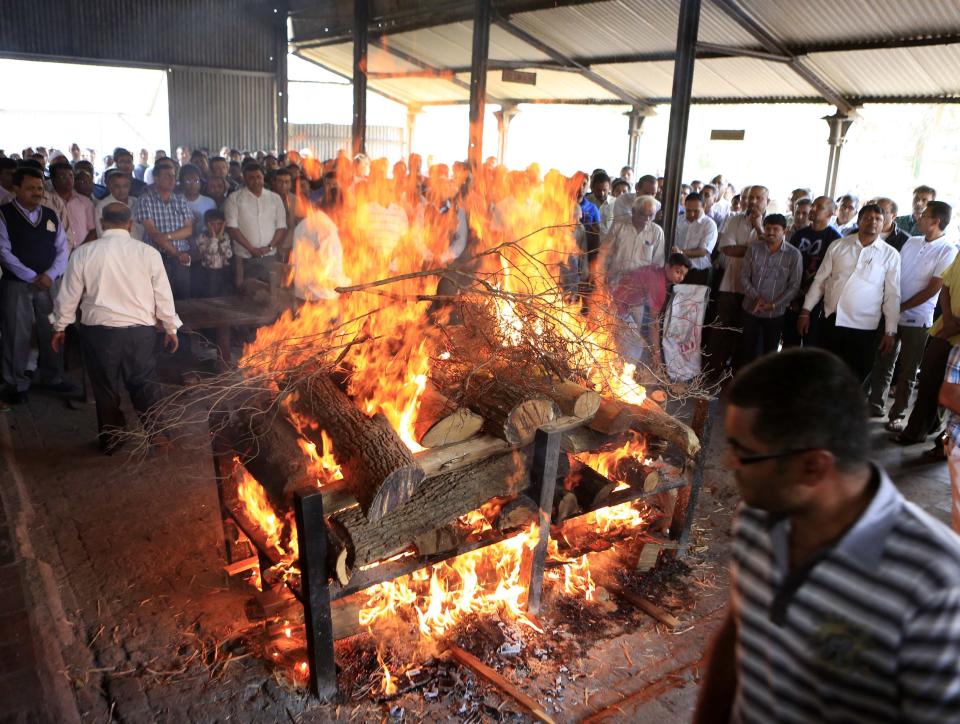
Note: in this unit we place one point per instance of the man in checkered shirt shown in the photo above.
(168, 224)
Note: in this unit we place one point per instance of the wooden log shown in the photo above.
(583, 439)
(516, 513)
(440, 422)
(592, 490)
(616, 416)
(464, 658)
(438, 540)
(565, 505)
(266, 444)
(636, 474)
(573, 399)
(511, 413)
(439, 500)
(378, 469)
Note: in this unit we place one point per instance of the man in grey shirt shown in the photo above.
(770, 277)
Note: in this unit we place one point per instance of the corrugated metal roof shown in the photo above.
(624, 27)
(615, 29)
(449, 46)
(820, 21)
(925, 71)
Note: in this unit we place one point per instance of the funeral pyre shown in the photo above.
(410, 388)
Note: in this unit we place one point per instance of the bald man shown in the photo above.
(122, 287)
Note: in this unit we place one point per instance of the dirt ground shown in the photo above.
(132, 618)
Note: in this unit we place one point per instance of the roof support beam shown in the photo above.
(772, 45)
(687, 28)
(563, 60)
(385, 46)
(722, 50)
(478, 80)
(361, 11)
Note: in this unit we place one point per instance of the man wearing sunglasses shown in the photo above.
(845, 597)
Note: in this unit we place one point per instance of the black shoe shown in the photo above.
(64, 387)
(15, 397)
(901, 439)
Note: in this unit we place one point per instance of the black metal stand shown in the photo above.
(315, 595)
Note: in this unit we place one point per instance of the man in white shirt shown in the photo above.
(713, 206)
(635, 244)
(696, 237)
(317, 258)
(923, 261)
(859, 281)
(121, 286)
(256, 221)
(739, 232)
(118, 184)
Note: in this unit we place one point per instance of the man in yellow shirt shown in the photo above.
(944, 334)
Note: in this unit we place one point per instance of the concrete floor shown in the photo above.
(122, 574)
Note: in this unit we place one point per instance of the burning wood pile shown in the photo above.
(454, 427)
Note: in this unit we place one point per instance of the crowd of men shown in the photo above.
(835, 574)
(855, 278)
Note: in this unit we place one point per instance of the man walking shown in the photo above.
(770, 276)
(122, 289)
(923, 262)
(859, 282)
(845, 597)
(33, 254)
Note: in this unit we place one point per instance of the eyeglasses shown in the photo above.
(763, 457)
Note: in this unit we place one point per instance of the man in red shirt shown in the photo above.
(641, 295)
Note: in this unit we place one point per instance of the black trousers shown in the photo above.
(813, 338)
(119, 357)
(724, 337)
(179, 276)
(856, 347)
(761, 335)
(925, 417)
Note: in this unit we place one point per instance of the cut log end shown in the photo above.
(456, 427)
(523, 421)
(396, 489)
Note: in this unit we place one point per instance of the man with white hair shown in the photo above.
(632, 245)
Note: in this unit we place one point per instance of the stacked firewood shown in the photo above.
(479, 440)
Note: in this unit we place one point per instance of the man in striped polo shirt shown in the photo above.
(845, 601)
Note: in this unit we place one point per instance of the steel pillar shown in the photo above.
(412, 112)
(635, 117)
(504, 116)
(478, 80)
(361, 18)
(280, 75)
(839, 125)
(687, 29)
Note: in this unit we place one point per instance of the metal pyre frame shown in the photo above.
(318, 597)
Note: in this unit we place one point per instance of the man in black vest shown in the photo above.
(33, 254)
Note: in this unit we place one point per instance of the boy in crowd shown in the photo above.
(215, 253)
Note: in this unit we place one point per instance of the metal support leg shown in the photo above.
(312, 534)
(543, 479)
(686, 505)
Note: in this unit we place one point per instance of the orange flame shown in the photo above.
(608, 463)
